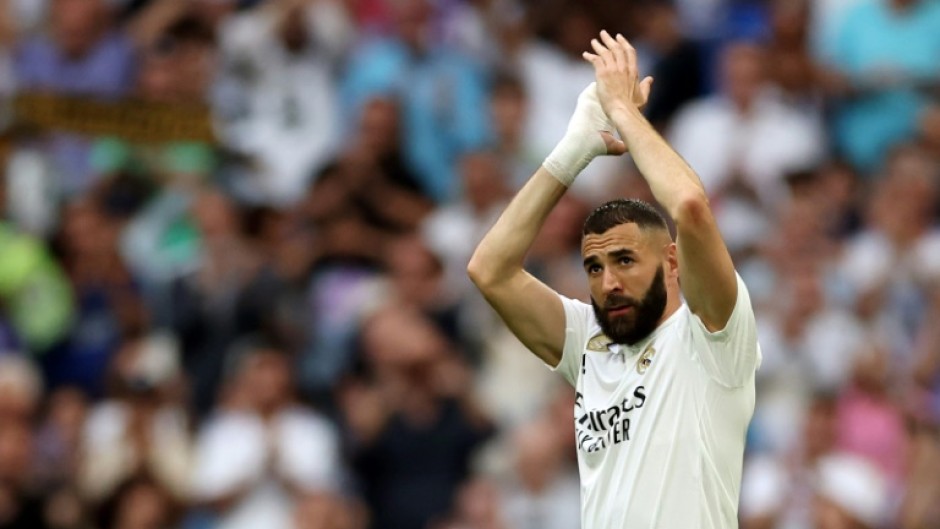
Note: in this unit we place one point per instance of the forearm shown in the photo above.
(674, 184)
(502, 251)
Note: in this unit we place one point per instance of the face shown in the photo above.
(626, 273)
(743, 72)
(76, 24)
(268, 375)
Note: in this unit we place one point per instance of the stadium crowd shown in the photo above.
(272, 327)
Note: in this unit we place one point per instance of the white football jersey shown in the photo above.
(661, 425)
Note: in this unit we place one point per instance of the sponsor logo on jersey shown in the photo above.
(598, 428)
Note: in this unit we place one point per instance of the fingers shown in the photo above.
(616, 49)
(595, 61)
(613, 145)
(610, 51)
(646, 86)
(630, 53)
(602, 52)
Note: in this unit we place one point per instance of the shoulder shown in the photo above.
(579, 316)
(742, 315)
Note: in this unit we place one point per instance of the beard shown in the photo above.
(637, 324)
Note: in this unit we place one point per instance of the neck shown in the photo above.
(673, 301)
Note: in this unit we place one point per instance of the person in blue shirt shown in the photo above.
(887, 58)
(443, 95)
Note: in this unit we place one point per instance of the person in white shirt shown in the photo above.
(664, 387)
(262, 452)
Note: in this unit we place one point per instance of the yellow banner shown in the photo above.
(135, 121)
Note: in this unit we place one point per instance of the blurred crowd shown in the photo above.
(273, 328)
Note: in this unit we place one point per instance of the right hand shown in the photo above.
(589, 120)
(615, 66)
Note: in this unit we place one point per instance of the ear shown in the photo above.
(671, 261)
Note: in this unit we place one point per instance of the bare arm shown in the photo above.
(532, 310)
(706, 272)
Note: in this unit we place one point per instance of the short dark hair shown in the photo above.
(623, 211)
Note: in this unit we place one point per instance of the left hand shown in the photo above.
(615, 66)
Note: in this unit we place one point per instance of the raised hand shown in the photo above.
(615, 66)
(589, 120)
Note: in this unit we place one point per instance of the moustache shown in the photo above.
(617, 302)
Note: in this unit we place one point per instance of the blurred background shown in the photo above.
(234, 234)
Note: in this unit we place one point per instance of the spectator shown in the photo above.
(850, 493)
(284, 450)
(868, 422)
(778, 488)
(544, 491)
(794, 72)
(454, 229)
(209, 311)
(883, 59)
(888, 262)
(141, 503)
(275, 58)
(442, 105)
(59, 437)
(419, 393)
(142, 429)
(678, 63)
(745, 135)
(20, 388)
(919, 506)
(37, 297)
(802, 322)
(83, 54)
(108, 306)
(509, 108)
(21, 507)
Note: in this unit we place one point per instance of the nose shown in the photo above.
(610, 282)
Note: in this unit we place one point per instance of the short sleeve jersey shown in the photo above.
(661, 425)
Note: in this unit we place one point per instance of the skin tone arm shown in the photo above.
(532, 310)
(706, 273)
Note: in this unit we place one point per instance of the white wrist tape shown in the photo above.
(582, 141)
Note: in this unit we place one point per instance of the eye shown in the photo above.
(594, 269)
(625, 260)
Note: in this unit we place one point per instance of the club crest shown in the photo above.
(599, 343)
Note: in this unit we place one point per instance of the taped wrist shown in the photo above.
(582, 141)
(572, 154)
